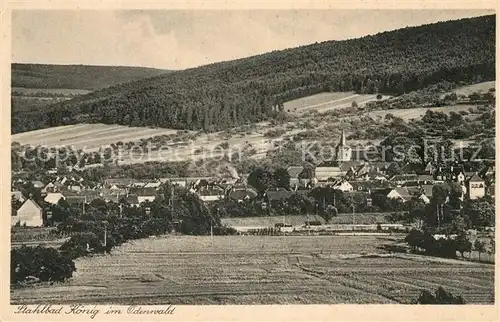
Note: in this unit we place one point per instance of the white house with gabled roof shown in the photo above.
(29, 214)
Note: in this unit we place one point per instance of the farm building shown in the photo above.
(29, 214)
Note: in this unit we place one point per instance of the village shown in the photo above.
(358, 179)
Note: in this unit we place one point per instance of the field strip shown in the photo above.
(38, 133)
(62, 131)
(57, 138)
(331, 102)
(107, 140)
(319, 98)
(103, 131)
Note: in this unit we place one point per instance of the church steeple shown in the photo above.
(342, 139)
(343, 151)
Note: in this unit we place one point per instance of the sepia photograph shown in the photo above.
(251, 157)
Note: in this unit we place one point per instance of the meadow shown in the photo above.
(261, 270)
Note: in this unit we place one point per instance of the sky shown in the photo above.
(179, 39)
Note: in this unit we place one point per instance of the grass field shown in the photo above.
(261, 270)
(323, 102)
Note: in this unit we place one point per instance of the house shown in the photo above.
(50, 187)
(294, 172)
(342, 185)
(424, 198)
(401, 193)
(143, 194)
(487, 171)
(121, 183)
(79, 198)
(29, 214)
(181, 182)
(54, 197)
(74, 187)
(368, 186)
(211, 194)
(272, 196)
(477, 187)
(429, 168)
(402, 179)
(17, 195)
(132, 200)
(37, 184)
(425, 179)
(327, 170)
(154, 184)
(114, 195)
(241, 194)
(460, 177)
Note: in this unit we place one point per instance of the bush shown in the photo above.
(44, 264)
(440, 297)
(81, 245)
(223, 231)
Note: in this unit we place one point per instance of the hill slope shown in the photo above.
(76, 76)
(231, 93)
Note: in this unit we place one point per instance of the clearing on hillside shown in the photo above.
(323, 102)
(483, 87)
(261, 270)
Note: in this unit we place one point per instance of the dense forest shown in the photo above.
(76, 76)
(222, 95)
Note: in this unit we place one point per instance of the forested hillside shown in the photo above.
(76, 76)
(227, 94)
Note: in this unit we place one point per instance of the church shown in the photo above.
(343, 152)
(332, 169)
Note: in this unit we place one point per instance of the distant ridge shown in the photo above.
(87, 77)
(223, 95)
